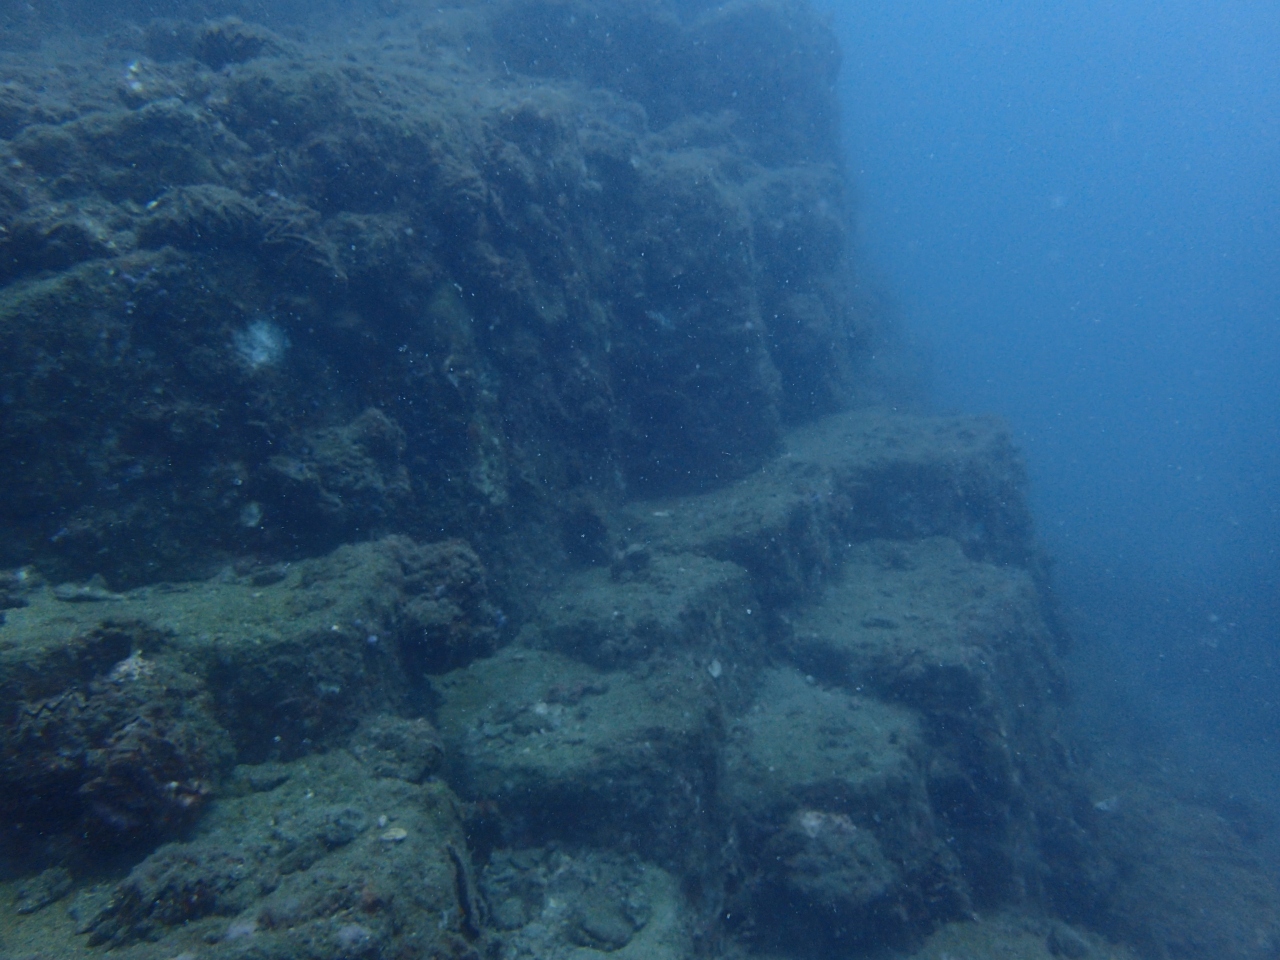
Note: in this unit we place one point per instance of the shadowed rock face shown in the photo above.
(263, 295)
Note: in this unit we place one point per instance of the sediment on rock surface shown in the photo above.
(449, 427)
(264, 296)
(863, 762)
(868, 765)
(123, 711)
(319, 860)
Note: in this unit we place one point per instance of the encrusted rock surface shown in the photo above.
(681, 749)
(266, 295)
(436, 523)
(889, 769)
(122, 712)
(566, 752)
(680, 603)
(829, 788)
(847, 478)
(319, 860)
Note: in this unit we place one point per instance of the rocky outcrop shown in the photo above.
(123, 712)
(770, 718)
(312, 858)
(832, 714)
(261, 297)
(436, 523)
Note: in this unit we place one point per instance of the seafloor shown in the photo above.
(446, 514)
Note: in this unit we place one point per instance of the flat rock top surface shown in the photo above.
(535, 718)
(817, 460)
(325, 594)
(924, 596)
(824, 747)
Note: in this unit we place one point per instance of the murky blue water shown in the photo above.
(1076, 211)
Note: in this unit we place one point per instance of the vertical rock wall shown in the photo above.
(262, 295)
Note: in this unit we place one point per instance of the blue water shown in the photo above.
(1076, 209)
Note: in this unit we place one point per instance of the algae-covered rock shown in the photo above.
(588, 903)
(1223, 899)
(830, 792)
(326, 862)
(231, 40)
(965, 644)
(121, 749)
(825, 860)
(124, 709)
(846, 479)
(806, 746)
(923, 624)
(221, 249)
(320, 349)
(676, 603)
(566, 751)
(403, 748)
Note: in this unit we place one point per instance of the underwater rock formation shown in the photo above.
(439, 527)
(262, 296)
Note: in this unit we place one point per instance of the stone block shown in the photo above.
(626, 759)
(685, 602)
(849, 478)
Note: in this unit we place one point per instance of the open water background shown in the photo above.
(1077, 212)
